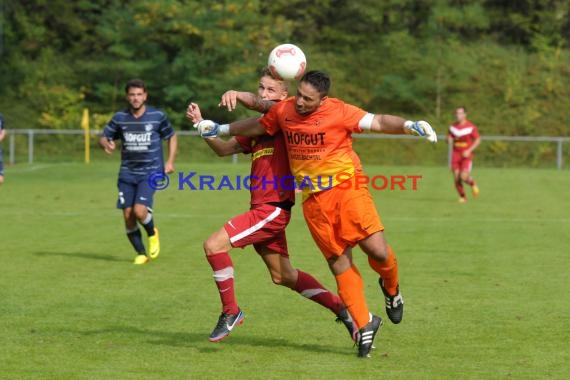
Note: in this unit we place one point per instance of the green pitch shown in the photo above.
(486, 284)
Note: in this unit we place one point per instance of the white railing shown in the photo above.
(559, 141)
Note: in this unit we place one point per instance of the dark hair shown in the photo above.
(319, 80)
(462, 108)
(136, 83)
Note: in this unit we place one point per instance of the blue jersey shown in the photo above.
(141, 139)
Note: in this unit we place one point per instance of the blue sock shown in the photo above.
(135, 237)
(148, 224)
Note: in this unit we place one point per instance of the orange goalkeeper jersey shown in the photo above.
(319, 145)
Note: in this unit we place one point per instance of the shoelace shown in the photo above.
(222, 321)
(394, 302)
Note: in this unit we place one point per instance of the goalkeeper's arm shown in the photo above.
(395, 125)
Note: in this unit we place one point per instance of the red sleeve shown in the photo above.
(475, 132)
(245, 143)
(352, 116)
(270, 120)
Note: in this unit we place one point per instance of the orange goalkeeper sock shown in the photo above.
(388, 270)
(351, 291)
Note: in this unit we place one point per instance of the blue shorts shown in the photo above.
(134, 190)
(1, 164)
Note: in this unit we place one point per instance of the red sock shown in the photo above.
(351, 291)
(470, 181)
(223, 268)
(388, 270)
(459, 187)
(309, 287)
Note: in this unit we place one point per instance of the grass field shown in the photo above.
(486, 284)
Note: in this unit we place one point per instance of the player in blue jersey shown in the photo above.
(2, 135)
(141, 129)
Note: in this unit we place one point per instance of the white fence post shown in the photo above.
(12, 148)
(30, 146)
(559, 154)
(449, 153)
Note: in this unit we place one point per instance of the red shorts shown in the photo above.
(463, 164)
(263, 226)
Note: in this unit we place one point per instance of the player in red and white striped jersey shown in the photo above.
(464, 136)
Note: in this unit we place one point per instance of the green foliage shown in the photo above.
(508, 61)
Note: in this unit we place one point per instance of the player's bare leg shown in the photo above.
(1, 179)
(351, 291)
(459, 186)
(466, 177)
(144, 217)
(134, 235)
(216, 248)
(282, 273)
(382, 259)
(280, 268)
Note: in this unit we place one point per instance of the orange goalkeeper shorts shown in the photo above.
(340, 217)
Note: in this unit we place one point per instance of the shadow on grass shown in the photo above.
(83, 255)
(199, 341)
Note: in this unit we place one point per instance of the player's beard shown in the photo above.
(303, 111)
(136, 109)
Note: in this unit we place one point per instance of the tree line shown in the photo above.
(508, 62)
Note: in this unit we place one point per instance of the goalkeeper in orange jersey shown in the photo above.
(318, 134)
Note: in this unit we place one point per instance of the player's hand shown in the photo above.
(169, 167)
(421, 128)
(229, 100)
(108, 145)
(466, 154)
(193, 113)
(207, 128)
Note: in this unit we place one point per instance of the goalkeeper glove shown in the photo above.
(209, 128)
(420, 128)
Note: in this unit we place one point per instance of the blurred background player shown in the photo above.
(464, 136)
(141, 129)
(2, 135)
(340, 214)
(264, 225)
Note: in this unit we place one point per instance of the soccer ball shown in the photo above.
(287, 62)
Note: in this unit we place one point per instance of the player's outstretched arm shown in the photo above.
(396, 125)
(231, 98)
(248, 127)
(220, 147)
(392, 125)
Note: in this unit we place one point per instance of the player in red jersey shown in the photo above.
(464, 136)
(263, 226)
